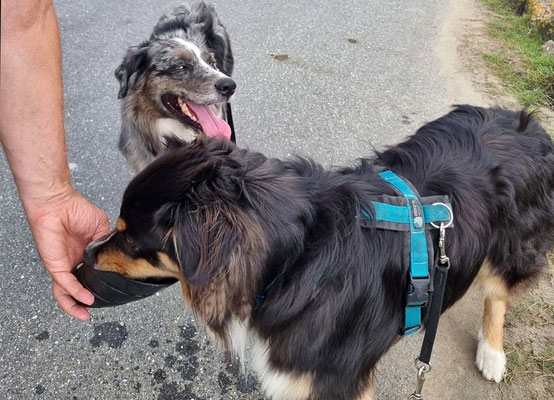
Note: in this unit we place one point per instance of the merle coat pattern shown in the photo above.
(187, 60)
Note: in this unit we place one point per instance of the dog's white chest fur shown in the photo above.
(275, 384)
(170, 126)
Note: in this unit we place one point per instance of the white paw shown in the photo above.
(490, 362)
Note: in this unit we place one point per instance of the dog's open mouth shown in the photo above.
(198, 116)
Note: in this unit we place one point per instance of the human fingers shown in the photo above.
(68, 303)
(69, 285)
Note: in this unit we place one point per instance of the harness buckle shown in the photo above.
(417, 296)
(409, 331)
(417, 292)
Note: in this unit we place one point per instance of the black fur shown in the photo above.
(334, 289)
(135, 64)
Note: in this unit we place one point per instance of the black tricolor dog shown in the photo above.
(230, 223)
(176, 83)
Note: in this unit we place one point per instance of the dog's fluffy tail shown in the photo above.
(526, 117)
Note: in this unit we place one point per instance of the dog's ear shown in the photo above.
(216, 36)
(218, 238)
(203, 241)
(184, 235)
(135, 64)
(221, 46)
(198, 214)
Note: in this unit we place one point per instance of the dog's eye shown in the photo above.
(132, 243)
(180, 67)
(213, 61)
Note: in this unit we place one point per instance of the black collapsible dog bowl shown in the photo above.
(111, 289)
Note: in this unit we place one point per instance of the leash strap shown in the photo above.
(415, 215)
(441, 273)
(229, 117)
(422, 363)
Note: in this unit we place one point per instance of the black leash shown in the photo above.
(422, 362)
(229, 116)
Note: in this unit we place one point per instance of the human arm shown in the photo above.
(32, 135)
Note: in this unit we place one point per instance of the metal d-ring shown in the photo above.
(420, 364)
(442, 223)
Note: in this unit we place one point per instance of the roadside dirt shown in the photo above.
(464, 39)
(529, 332)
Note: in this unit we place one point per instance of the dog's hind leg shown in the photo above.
(490, 358)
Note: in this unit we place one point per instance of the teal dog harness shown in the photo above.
(415, 215)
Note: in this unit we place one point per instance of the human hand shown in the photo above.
(62, 227)
(32, 135)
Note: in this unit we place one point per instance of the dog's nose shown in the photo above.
(226, 86)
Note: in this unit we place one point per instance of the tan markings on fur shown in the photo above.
(298, 387)
(143, 110)
(368, 392)
(116, 261)
(493, 323)
(148, 104)
(210, 301)
(120, 225)
(288, 386)
(493, 285)
(496, 305)
(169, 264)
(147, 110)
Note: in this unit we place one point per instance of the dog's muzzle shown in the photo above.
(111, 289)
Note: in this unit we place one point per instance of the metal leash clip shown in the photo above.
(443, 258)
(422, 369)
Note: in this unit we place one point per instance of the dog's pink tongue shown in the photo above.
(211, 124)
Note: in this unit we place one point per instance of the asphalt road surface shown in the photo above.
(334, 99)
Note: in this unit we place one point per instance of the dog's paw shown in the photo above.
(490, 362)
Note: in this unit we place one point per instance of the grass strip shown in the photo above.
(525, 69)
